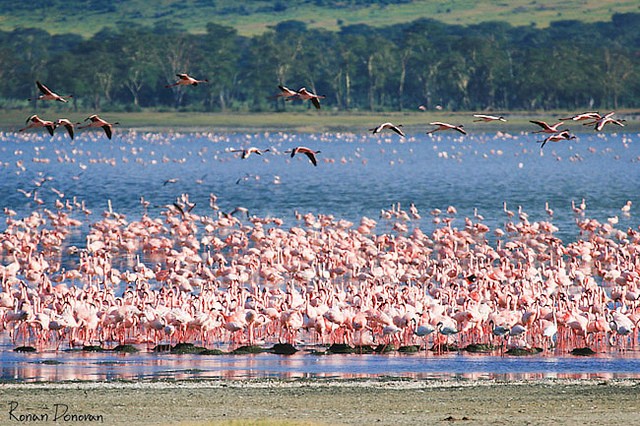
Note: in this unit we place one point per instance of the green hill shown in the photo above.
(86, 17)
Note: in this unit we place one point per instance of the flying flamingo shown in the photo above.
(35, 122)
(186, 80)
(99, 122)
(606, 119)
(49, 95)
(286, 93)
(547, 128)
(248, 151)
(306, 151)
(590, 115)
(487, 118)
(446, 126)
(557, 137)
(67, 125)
(305, 95)
(389, 126)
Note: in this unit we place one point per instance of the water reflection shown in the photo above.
(60, 367)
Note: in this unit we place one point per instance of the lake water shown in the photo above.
(357, 175)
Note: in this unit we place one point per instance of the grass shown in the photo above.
(413, 121)
(251, 18)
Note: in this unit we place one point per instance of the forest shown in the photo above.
(483, 67)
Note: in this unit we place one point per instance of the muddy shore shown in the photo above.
(319, 402)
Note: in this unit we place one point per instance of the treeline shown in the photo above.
(489, 66)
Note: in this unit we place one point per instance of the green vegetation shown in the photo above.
(493, 66)
(251, 18)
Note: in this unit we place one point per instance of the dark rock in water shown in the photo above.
(383, 349)
(25, 349)
(364, 349)
(283, 349)
(340, 348)
(243, 350)
(444, 348)
(92, 348)
(212, 352)
(51, 362)
(186, 348)
(480, 348)
(583, 352)
(523, 351)
(128, 349)
(410, 349)
(162, 348)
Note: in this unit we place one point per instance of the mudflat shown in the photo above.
(323, 402)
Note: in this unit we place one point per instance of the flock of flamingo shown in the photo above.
(227, 280)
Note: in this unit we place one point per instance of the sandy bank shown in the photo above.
(320, 402)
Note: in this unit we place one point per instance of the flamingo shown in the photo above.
(67, 125)
(49, 95)
(35, 122)
(626, 209)
(606, 119)
(547, 128)
(286, 93)
(591, 115)
(305, 95)
(186, 80)
(389, 126)
(488, 118)
(446, 126)
(99, 122)
(306, 151)
(557, 137)
(248, 151)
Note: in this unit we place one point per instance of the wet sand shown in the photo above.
(320, 402)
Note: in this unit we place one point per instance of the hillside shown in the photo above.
(86, 17)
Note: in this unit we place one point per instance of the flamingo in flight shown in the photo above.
(589, 115)
(286, 93)
(248, 151)
(488, 118)
(49, 95)
(389, 126)
(35, 122)
(547, 128)
(99, 122)
(67, 125)
(186, 80)
(304, 95)
(557, 137)
(306, 151)
(446, 126)
(606, 119)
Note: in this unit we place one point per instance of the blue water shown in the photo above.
(99, 366)
(365, 174)
(357, 175)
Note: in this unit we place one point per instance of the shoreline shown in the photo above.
(308, 122)
(319, 402)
